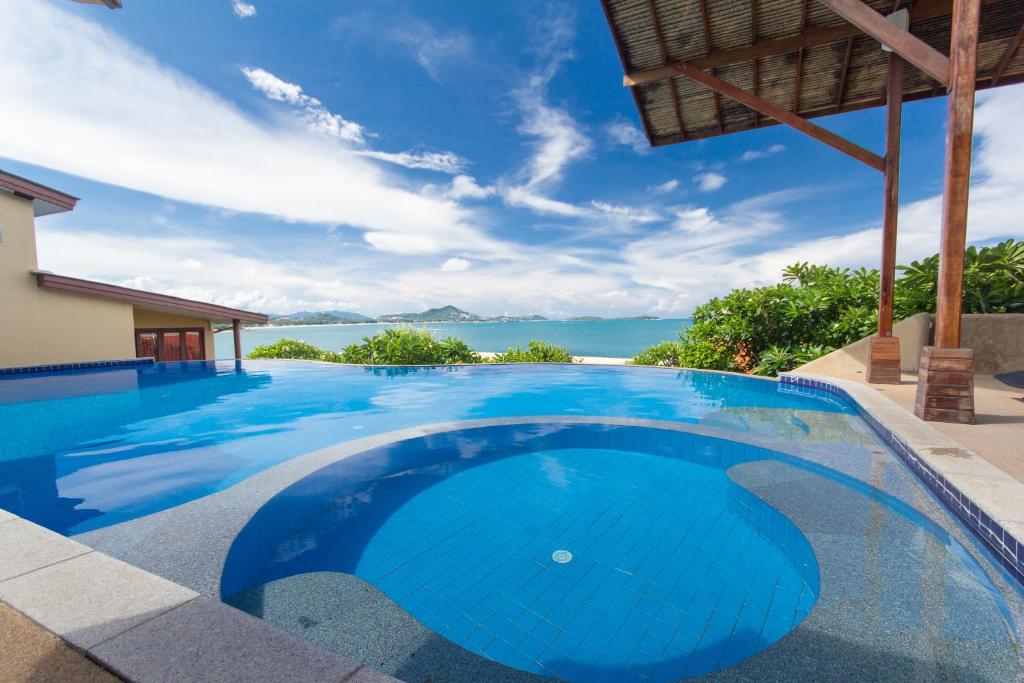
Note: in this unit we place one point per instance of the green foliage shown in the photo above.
(408, 346)
(666, 353)
(535, 352)
(993, 280)
(291, 348)
(817, 309)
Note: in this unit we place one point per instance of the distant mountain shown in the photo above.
(514, 318)
(319, 318)
(445, 314)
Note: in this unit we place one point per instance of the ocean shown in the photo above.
(610, 338)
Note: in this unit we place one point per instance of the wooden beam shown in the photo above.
(236, 329)
(782, 116)
(841, 87)
(891, 196)
(1011, 51)
(706, 25)
(956, 187)
(755, 66)
(799, 61)
(811, 36)
(664, 57)
(910, 47)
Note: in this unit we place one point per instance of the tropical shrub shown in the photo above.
(293, 349)
(408, 346)
(535, 352)
(817, 309)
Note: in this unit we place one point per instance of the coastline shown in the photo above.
(584, 360)
(594, 339)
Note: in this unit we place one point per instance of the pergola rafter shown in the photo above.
(782, 116)
(903, 42)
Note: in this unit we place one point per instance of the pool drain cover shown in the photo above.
(561, 556)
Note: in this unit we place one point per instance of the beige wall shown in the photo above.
(155, 319)
(39, 326)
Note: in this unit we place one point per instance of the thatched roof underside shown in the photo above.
(829, 77)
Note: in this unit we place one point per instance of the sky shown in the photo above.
(285, 155)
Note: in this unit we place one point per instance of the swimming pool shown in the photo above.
(87, 449)
(519, 522)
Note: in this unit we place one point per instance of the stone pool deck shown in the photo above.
(998, 436)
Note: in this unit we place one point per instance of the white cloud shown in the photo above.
(665, 187)
(456, 265)
(523, 196)
(625, 133)
(627, 213)
(464, 186)
(137, 124)
(431, 48)
(710, 181)
(318, 118)
(443, 162)
(752, 154)
(559, 140)
(242, 9)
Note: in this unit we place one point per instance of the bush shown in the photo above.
(293, 349)
(535, 352)
(408, 346)
(817, 309)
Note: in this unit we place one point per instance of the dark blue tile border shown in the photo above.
(1005, 548)
(57, 367)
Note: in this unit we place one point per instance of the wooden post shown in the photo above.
(236, 328)
(945, 389)
(884, 350)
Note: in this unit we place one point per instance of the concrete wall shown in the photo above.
(997, 341)
(39, 326)
(914, 333)
(155, 319)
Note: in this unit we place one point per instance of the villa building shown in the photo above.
(48, 319)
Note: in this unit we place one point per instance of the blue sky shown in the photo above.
(305, 154)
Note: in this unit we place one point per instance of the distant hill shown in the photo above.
(445, 314)
(320, 318)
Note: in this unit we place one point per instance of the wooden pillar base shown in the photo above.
(884, 360)
(945, 385)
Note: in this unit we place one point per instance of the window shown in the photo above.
(170, 345)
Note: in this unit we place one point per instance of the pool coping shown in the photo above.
(988, 501)
(142, 626)
(83, 365)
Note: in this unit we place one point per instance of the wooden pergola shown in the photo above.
(703, 68)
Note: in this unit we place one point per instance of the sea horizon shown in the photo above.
(608, 338)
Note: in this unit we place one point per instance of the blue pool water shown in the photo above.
(656, 556)
(87, 449)
(590, 550)
(587, 564)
